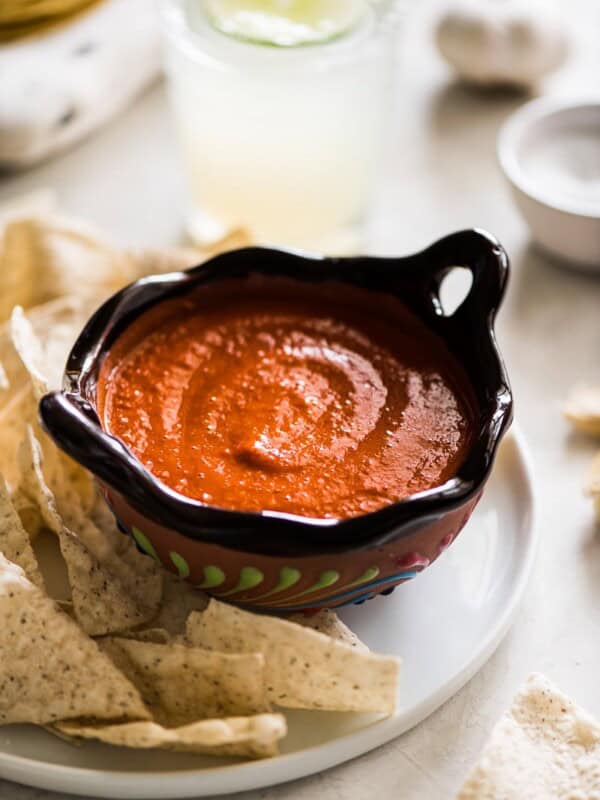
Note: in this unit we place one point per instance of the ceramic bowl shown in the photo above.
(279, 561)
(564, 219)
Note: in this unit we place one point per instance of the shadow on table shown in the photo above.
(540, 282)
(456, 107)
(459, 142)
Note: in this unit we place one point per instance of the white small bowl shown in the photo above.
(549, 151)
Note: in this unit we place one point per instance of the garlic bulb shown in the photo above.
(510, 42)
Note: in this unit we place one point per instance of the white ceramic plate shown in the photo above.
(459, 608)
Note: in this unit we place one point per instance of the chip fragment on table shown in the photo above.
(582, 408)
(545, 747)
(591, 486)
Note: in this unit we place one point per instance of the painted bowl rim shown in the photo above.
(70, 418)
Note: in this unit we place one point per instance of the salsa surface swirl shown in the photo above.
(318, 400)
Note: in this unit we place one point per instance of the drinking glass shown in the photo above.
(282, 141)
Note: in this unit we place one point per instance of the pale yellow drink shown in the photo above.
(282, 140)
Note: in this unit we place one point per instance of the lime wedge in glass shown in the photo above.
(285, 23)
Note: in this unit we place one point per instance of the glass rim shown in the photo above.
(220, 51)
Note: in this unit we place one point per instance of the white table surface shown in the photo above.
(441, 176)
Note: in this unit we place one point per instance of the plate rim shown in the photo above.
(247, 776)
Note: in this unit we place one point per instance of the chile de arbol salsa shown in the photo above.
(317, 400)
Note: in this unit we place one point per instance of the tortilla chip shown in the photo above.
(29, 348)
(14, 417)
(4, 382)
(327, 621)
(14, 539)
(74, 489)
(66, 606)
(18, 285)
(154, 262)
(42, 360)
(181, 685)
(44, 352)
(49, 258)
(28, 204)
(154, 635)
(150, 262)
(11, 365)
(55, 325)
(56, 255)
(102, 601)
(592, 480)
(253, 737)
(114, 588)
(591, 486)
(108, 597)
(178, 601)
(34, 485)
(583, 408)
(46, 257)
(304, 668)
(29, 514)
(33, 349)
(545, 747)
(18, 275)
(49, 669)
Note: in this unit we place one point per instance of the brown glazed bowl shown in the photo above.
(277, 561)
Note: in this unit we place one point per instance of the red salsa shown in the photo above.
(318, 400)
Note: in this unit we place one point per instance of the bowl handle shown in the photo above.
(73, 425)
(485, 258)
